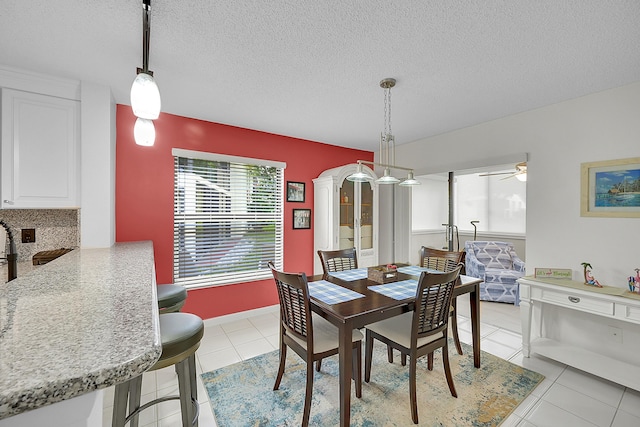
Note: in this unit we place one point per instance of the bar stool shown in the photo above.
(171, 298)
(181, 334)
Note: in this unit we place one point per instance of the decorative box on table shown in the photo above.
(382, 274)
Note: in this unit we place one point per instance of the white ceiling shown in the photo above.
(311, 68)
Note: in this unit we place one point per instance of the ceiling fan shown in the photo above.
(520, 173)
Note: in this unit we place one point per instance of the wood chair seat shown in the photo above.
(396, 329)
(325, 336)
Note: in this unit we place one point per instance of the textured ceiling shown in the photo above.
(311, 68)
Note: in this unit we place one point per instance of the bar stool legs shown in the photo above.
(181, 334)
(188, 391)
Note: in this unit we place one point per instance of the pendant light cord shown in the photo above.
(146, 35)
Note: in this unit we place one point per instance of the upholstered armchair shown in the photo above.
(498, 265)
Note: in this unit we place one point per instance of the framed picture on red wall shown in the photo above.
(295, 191)
(301, 218)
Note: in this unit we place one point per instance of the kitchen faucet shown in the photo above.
(12, 256)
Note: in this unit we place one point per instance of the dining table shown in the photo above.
(350, 300)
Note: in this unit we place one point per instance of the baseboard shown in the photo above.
(241, 315)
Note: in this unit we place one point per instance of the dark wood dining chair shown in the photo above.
(444, 261)
(339, 260)
(419, 332)
(309, 335)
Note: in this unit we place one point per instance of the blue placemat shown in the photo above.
(397, 290)
(330, 293)
(350, 275)
(414, 270)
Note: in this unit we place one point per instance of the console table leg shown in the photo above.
(525, 320)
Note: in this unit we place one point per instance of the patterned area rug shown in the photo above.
(242, 394)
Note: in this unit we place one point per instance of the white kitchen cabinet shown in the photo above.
(40, 140)
(345, 215)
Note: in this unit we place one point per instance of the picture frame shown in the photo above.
(610, 188)
(301, 219)
(295, 191)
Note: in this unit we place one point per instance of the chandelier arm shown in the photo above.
(383, 165)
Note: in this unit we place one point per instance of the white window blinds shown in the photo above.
(228, 218)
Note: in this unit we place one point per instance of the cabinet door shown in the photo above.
(347, 215)
(356, 216)
(366, 216)
(39, 151)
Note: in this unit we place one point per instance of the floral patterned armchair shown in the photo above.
(498, 265)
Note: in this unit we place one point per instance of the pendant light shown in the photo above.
(144, 132)
(359, 175)
(410, 180)
(387, 148)
(387, 178)
(145, 96)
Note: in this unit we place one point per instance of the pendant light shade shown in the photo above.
(359, 176)
(387, 178)
(409, 181)
(145, 97)
(144, 132)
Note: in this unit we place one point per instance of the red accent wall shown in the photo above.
(144, 196)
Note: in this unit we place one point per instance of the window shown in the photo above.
(498, 203)
(228, 218)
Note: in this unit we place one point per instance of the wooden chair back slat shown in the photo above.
(433, 301)
(340, 260)
(293, 294)
(440, 260)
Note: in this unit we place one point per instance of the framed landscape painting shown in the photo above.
(611, 188)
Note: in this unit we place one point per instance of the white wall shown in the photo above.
(558, 138)
(97, 166)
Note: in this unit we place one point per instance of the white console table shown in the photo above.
(596, 330)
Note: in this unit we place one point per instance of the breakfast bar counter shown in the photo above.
(81, 323)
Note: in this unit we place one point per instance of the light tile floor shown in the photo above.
(567, 397)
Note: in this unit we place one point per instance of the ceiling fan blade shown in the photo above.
(521, 168)
(496, 173)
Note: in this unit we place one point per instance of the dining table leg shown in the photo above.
(345, 349)
(474, 300)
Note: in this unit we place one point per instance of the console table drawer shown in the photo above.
(628, 312)
(578, 302)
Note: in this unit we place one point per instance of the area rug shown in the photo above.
(242, 394)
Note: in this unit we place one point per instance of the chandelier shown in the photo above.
(387, 149)
(145, 96)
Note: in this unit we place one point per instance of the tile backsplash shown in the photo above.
(55, 229)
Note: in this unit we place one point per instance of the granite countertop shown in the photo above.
(85, 321)
(24, 267)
